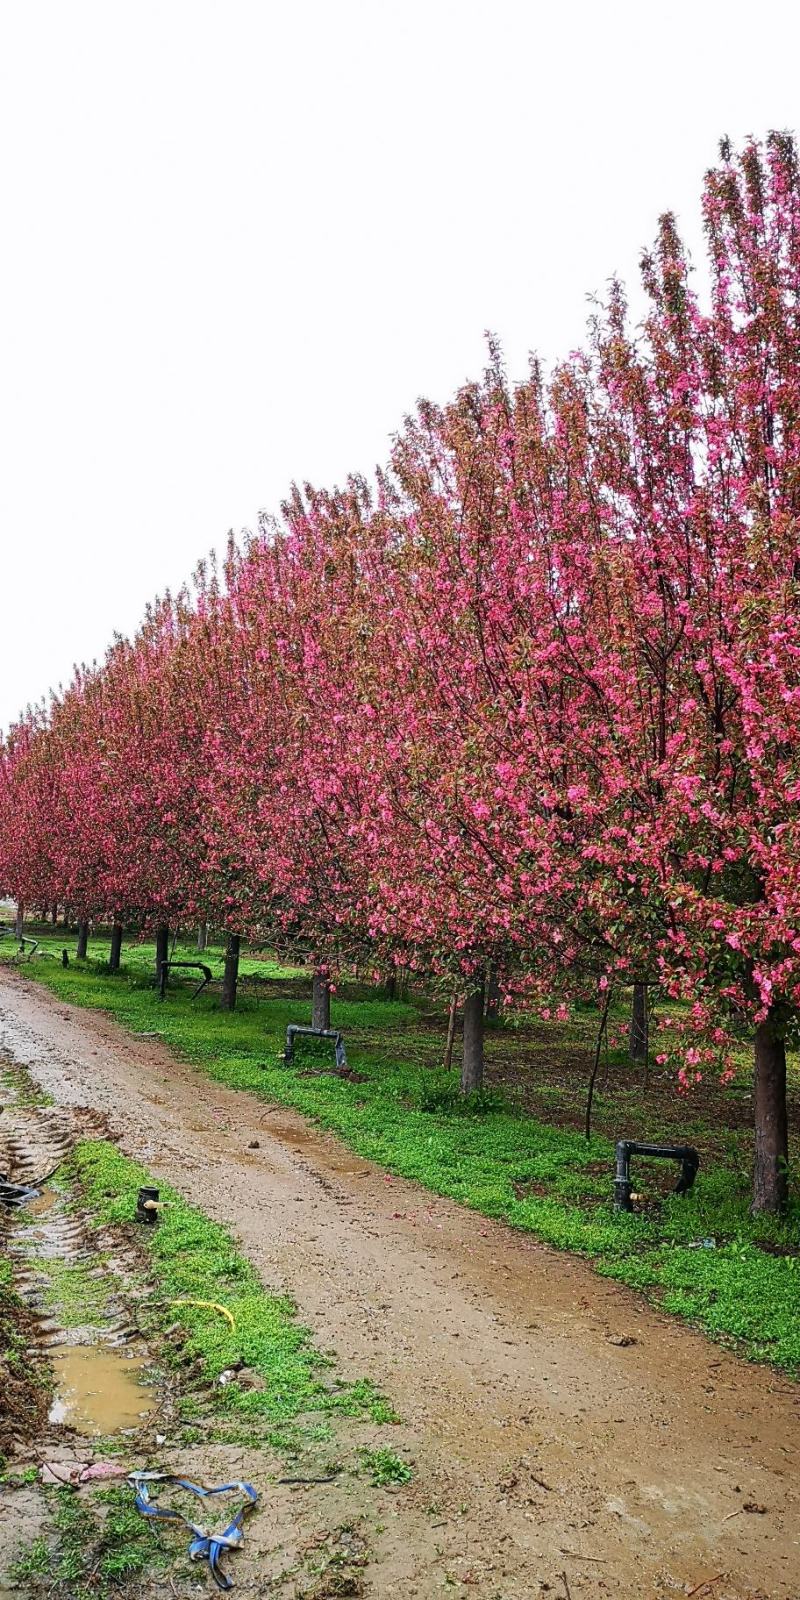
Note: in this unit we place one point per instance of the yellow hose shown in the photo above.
(209, 1305)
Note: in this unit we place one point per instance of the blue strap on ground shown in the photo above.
(204, 1546)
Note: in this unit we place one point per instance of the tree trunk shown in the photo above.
(54, 914)
(116, 947)
(770, 1169)
(640, 1024)
(451, 1032)
(472, 1062)
(230, 977)
(19, 921)
(320, 1001)
(390, 986)
(83, 941)
(162, 955)
(493, 996)
(202, 936)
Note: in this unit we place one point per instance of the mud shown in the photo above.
(566, 1437)
(23, 1392)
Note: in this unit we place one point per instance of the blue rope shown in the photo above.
(204, 1546)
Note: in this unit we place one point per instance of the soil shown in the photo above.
(563, 1070)
(544, 1071)
(568, 1439)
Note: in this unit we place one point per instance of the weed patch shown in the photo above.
(384, 1467)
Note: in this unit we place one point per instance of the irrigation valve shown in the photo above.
(147, 1206)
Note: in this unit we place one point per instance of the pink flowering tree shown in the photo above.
(688, 799)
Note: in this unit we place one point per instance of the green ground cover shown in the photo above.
(532, 1171)
(194, 1260)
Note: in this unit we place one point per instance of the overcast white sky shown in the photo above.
(240, 238)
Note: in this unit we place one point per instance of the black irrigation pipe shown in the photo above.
(197, 966)
(684, 1153)
(295, 1028)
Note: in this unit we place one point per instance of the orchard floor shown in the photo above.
(568, 1440)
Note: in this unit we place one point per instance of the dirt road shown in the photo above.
(560, 1426)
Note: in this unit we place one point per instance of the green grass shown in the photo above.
(194, 1259)
(528, 1172)
(79, 1299)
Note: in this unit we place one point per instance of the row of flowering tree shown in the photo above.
(527, 706)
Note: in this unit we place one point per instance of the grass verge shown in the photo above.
(196, 1269)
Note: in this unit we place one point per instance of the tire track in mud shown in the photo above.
(73, 1283)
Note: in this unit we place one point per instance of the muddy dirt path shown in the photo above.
(552, 1455)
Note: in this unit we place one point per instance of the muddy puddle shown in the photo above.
(99, 1391)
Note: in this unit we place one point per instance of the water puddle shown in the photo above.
(300, 1140)
(298, 1137)
(39, 1207)
(98, 1391)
